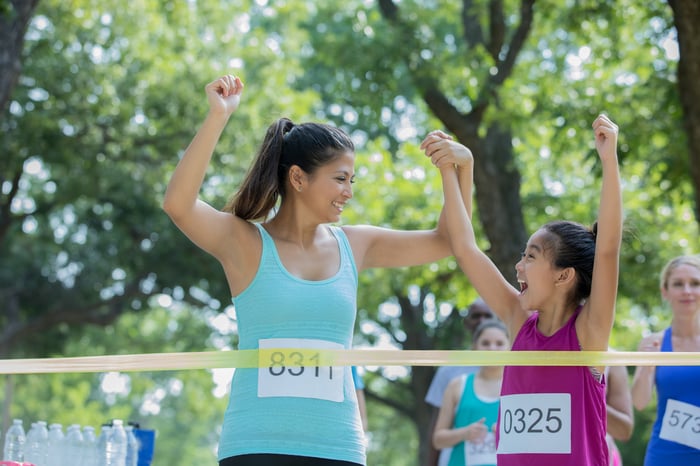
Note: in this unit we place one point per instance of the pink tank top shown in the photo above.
(551, 416)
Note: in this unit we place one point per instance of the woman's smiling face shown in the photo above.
(682, 290)
(330, 188)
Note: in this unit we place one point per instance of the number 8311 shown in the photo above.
(295, 363)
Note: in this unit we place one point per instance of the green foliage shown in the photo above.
(391, 441)
(110, 96)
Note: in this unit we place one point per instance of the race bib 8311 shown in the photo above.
(296, 372)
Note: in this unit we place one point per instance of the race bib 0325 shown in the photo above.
(535, 423)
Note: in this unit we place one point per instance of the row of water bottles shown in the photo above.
(116, 445)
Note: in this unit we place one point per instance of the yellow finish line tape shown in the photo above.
(293, 357)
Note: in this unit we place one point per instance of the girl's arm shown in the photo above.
(488, 281)
(598, 314)
(384, 247)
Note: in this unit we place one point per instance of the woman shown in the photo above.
(293, 279)
(568, 277)
(675, 436)
(469, 409)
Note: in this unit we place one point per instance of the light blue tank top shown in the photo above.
(471, 408)
(291, 410)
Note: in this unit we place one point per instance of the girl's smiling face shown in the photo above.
(535, 271)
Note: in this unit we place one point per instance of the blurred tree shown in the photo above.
(94, 128)
(14, 17)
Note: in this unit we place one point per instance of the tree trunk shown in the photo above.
(686, 17)
(421, 376)
(498, 205)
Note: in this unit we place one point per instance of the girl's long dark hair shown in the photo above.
(573, 245)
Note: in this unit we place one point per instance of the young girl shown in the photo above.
(470, 405)
(568, 277)
(293, 279)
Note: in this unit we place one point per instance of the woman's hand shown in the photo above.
(476, 431)
(650, 343)
(643, 380)
(224, 94)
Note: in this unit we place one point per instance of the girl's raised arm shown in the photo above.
(383, 247)
(598, 314)
(488, 281)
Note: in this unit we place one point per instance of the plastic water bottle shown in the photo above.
(89, 447)
(132, 447)
(72, 446)
(115, 453)
(29, 442)
(55, 445)
(102, 445)
(14, 442)
(36, 448)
